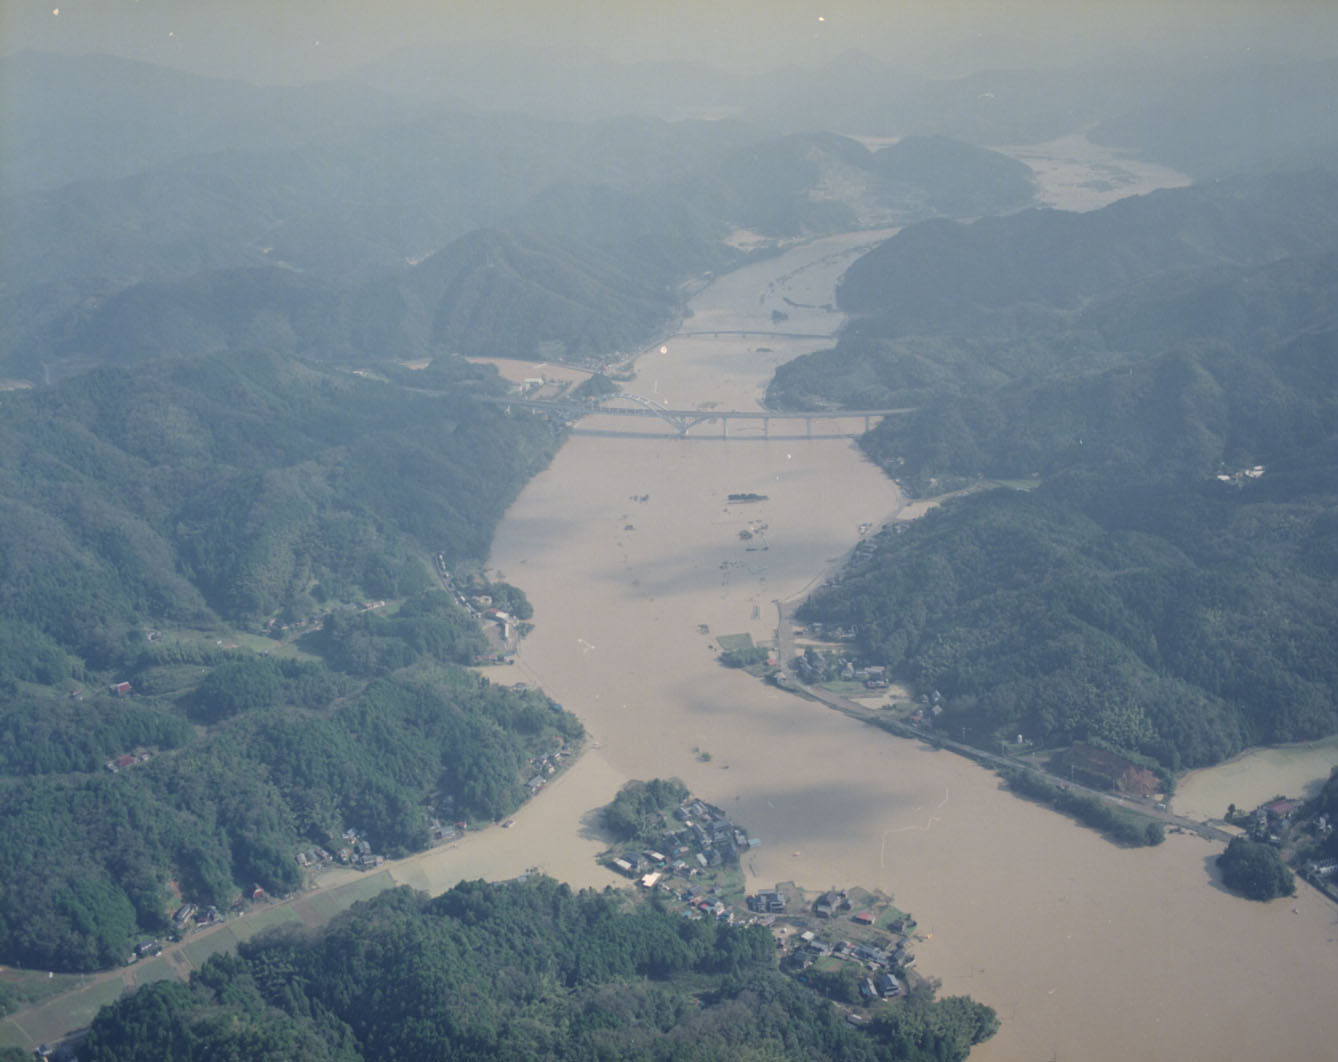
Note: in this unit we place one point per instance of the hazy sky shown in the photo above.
(299, 40)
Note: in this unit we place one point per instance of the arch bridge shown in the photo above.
(684, 420)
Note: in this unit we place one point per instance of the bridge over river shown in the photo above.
(684, 420)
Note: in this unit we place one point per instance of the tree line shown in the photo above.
(527, 969)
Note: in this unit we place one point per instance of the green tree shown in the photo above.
(1255, 870)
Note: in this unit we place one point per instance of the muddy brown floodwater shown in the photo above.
(627, 546)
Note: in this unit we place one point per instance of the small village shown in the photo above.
(348, 851)
(850, 944)
(1301, 837)
(502, 629)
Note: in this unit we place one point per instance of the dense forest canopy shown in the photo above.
(155, 518)
(519, 970)
(224, 637)
(1168, 585)
(203, 479)
(1255, 870)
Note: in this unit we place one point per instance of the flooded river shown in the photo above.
(630, 550)
(1256, 777)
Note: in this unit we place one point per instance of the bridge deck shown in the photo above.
(684, 420)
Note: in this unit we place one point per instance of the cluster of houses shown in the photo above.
(444, 832)
(1322, 870)
(882, 963)
(547, 765)
(128, 759)
(705, 840)
(880, 986)
(1283, 822)
(1241, 474)
(1273, 821)
(682, 862)
(355, 852)
(188, 918)
(768, 901)
(874, 676)
(189, 914)
(498, 624)
(834, 633)
(185, 919)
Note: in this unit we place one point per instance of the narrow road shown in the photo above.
(785, 649)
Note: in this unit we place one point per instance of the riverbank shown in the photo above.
(1256, 776)
(629, 550)
(632, 546)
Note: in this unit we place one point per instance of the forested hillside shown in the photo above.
(430, 231)
(491, 293)
(187, 556)
(519, 970)
(1168, 585)
(1013, 274)
(1183, 622)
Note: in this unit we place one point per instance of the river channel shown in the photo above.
(631, 553)
(630, 550)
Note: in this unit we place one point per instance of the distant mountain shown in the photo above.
(494, 292)
(777, 186)
(509, 293)
(1263, 118)
(854, 93)
(98, 117)
(818, 182)
(347, 210)
(210, 312)
(347, 248)
(343, 215)
(950, 277)
(957, 179)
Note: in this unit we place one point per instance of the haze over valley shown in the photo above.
(913, 432)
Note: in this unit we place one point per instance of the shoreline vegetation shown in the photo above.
(222, 644)
(851, 945)
(1177, 460)
(232, 665)
(1115, 816)
(527, 968)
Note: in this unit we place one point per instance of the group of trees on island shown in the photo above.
(638, 809)
(1255, 869)
(515, 970)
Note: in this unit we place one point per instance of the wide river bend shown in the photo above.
(629, 548)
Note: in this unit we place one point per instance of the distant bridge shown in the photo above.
(758, 332)
(684, 420)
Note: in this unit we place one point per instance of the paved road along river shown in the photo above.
(629, 548)
(631, 552)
